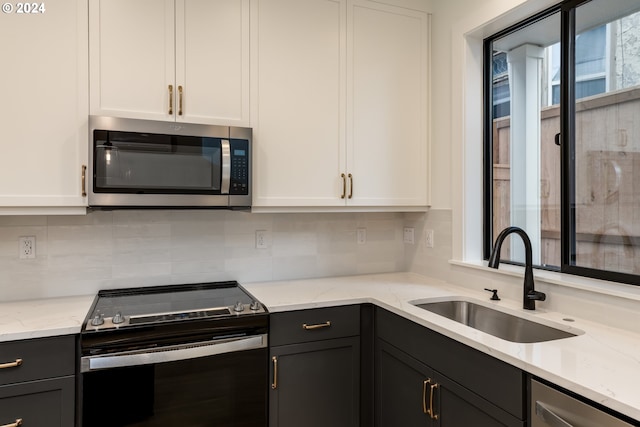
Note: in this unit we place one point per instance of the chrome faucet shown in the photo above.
(530, 295)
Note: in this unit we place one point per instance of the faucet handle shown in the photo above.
(536, 295)
(495, 296)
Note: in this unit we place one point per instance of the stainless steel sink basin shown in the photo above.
(494, 322)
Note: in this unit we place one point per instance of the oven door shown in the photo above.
(178, 386)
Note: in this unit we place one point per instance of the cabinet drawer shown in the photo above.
(45, 403)
(314, 324)
(37, 359)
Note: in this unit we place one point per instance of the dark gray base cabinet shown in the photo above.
(411, 390)
(37, 382)
(315, 368)
(44, 403)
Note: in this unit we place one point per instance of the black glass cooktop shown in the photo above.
(118, 308)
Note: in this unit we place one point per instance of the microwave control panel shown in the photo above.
(239, 167)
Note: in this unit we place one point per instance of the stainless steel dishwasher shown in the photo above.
(552, 408)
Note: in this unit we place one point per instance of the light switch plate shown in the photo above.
(361, 236)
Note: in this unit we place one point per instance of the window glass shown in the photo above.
(594, 104)
(606, 205)
(525, 159)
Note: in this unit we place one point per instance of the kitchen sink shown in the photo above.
(494, 322)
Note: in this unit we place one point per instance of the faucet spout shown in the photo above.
(530, 295)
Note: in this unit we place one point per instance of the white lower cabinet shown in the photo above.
(44, 108)
(341, 106)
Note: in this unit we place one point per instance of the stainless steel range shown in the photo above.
(191, 355)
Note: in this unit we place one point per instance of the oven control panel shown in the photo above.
(119, 320)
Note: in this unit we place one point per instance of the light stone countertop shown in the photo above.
(601, 363)
(43, 317)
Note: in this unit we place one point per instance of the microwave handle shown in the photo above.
(226, 166)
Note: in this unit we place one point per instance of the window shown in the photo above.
(562, 138)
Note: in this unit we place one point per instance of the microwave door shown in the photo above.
(159, 164)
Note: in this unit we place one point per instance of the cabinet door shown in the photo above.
(401, 388)
(132, 58)
(457, 406)
(387, 82)
(43, 113)
(316, 384)
(212, 61)
(299, 129)
(45, 403)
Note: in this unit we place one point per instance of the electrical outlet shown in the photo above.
(27, 247)
(361, 236)
(409, 235)
(262, 239)
(428, 238)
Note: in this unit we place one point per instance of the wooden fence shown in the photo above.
(607, 181)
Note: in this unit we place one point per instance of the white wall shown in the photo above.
(81, 254)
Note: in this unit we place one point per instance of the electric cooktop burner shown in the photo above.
(121, 308)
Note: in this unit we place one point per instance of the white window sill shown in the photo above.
(620, 290)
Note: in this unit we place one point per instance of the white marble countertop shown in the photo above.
(601, 363)
(43, 317)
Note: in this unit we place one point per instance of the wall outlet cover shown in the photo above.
(27, 247)
(409, 235)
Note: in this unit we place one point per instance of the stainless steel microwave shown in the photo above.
(144, 163)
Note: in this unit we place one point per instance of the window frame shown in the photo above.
(567, 10)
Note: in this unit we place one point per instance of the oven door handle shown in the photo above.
(171, 353)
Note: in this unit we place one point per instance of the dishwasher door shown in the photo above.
(552, 408)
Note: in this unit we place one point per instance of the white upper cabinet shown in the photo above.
(44, 80)
(172, 60)
(341, 106)
(299, 136)
(387, 105)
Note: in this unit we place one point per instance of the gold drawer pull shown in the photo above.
(274, 384)
(350, 186)
(425, 383)
(306, 327)
(170, 100)
(180, 100)
(15, 364)
(344, 185)
(432, 412)
(17, 423)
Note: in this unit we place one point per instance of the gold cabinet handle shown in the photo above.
(432, 412)
(306, 327)
(350, 186)
(15, 364)
(274, 361)
(170, 100)
(425, 383)
(179, 100)
(84, 180)
(344, 186)
(17, 423)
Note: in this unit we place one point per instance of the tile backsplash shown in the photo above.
(78, 255)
